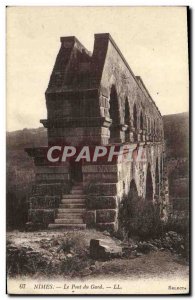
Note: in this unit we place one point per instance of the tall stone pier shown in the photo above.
(95, 99)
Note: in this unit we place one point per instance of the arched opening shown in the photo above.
(129, 211)
(141, 126)
(159, 131)
(157, 181)
(75, 171)
(149, 128)
(135, 117)
(128, 207)
(141, 121)
(133, 199)
(147, 124)
(127, 120)
(135, 122)
(114, 115)
(149, 186)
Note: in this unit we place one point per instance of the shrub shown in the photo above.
(139, 218)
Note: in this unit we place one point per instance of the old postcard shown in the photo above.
(97, 150)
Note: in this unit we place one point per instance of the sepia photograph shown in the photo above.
(97, 150)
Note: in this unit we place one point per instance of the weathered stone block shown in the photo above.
(51, 177)
(48, 216)
(52, 189)
(45, 202)
(47, 189)
(52, 201)
(104, 249)
(100, 202)
(101, 177)
(110, 227)
(52, 170)
(41, 216)
(99, 168)
(105, 189)
(30, 226)
(90, 218)
(36, 215)
(105, 215)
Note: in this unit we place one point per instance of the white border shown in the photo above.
(3, 5)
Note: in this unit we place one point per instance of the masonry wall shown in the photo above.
(95, 99)
(106, 184)
(128, 87)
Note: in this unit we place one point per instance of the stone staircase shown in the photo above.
(71, 210)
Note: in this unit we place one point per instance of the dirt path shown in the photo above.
(155, 264)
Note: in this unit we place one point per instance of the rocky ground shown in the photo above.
(67, 254)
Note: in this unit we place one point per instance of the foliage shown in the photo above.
(20, 174)
(176, 129)
(139, 218)
(67, 255)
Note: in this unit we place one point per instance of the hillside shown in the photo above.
(20, 172)
(176, 129)
(26, 138)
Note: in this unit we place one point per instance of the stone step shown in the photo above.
(73, 201)
(78, 187)
(76, 192)
(69, 221)
(67, 226)
(71, 196)
(72, 205)
(69, 215)
(80, 184)
(71, 210)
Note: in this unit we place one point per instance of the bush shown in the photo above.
(139, 218)
(16, 209)
(70, 256)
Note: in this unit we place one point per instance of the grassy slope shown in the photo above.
(176, 129)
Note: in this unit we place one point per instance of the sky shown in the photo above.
(152, 39)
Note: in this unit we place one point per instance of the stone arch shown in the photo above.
(130, 202)
(135, 116)
(148, 125)
(154, 128)
(157, 177)
(149, 128)
(129, 208)
(127, 119)
(114, 115)
(149, 185)
(135, 121)
(161, 167)
(141, 121)
(133, 199)
(159, 130)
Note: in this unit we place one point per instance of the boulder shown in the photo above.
(104, 249)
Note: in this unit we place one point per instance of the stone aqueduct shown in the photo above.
(95, 99)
